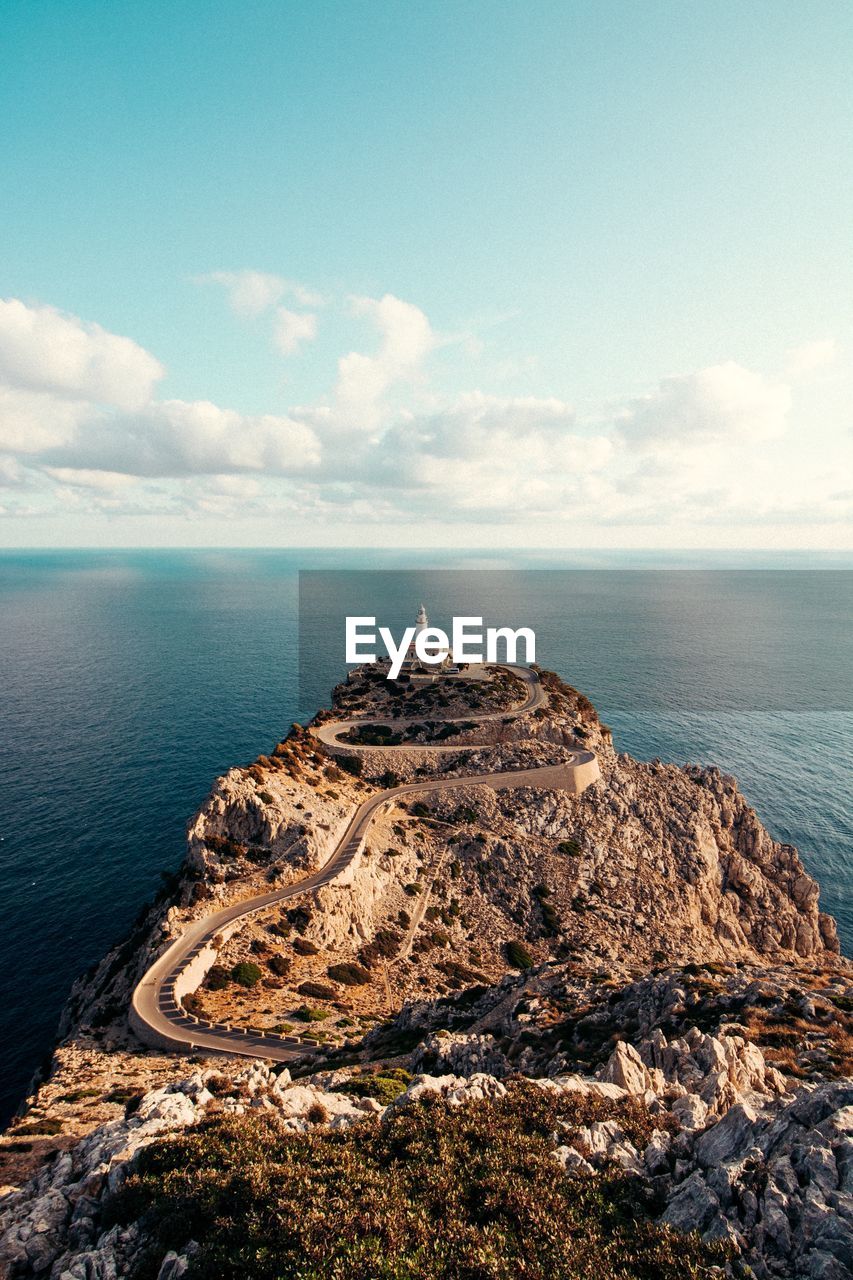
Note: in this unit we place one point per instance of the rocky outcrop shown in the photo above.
(727, 1151)
(646, 943)
(51, 1226)
(651, 864)
(775, 1182)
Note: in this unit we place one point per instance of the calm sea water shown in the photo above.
(129, 680)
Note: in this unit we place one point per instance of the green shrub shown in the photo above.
(225, 846)
(39, 1128)
(384, 1088)
(316, 990)
(398, 1073)
(569, 847)
(383, 946)
(280, 965)
(518, 956)
(246, 973)
(351, 975)
(550, 919)
(435, 1192)
(465, 815)
(266, 797)
(303, 947)
(218, 978)
(306, 1014)
(460, 975)
(220, 1085)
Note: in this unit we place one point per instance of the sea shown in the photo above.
(130, 679)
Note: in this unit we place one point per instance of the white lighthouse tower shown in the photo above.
(412, 662)
(421, 624)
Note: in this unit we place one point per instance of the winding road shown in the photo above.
(156, 1013)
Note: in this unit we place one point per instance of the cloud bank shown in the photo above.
(82, 429)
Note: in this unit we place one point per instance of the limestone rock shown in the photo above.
(625, 1068)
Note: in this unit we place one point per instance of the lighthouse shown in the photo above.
(421, 624)
(412, 663)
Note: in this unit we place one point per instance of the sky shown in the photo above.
(484, 273)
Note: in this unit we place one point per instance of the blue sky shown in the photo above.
(550, 274)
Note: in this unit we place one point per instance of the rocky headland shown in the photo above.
(632, 989)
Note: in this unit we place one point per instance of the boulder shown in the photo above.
(625, 1068)
(694, 1206)
(729, 1137)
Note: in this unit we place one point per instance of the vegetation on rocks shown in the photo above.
(304, 947)
(247, 973)
(266, 1204)
(316, 990)
(518, 956)
(351, 975)
(384, 1086)
(384, 945)
(307, 1014)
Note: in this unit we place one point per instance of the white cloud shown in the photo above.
(250, 293)
(406, 332)
(406, 340)
(177, 438)
(304, 296)
(11, 472)
(80, 431)
(42, 349)
(103, 481)
(235, 486)
(723, 402)
(494, 456)
(31, 421)
(810, 357)
(293, 328)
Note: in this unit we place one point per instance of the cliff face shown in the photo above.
(534, 928)
(652, 864)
